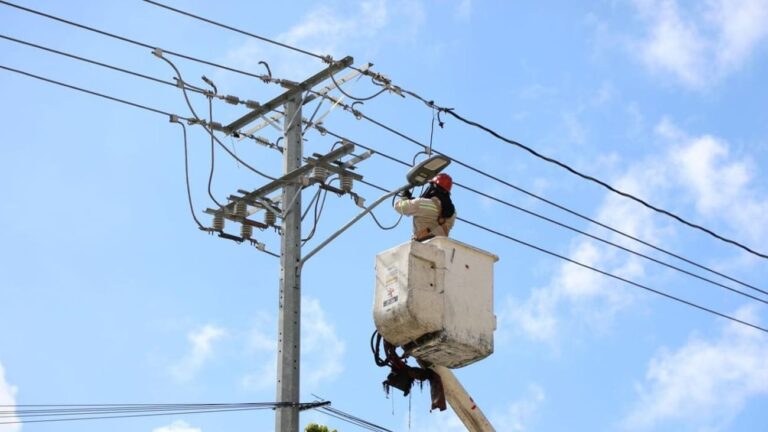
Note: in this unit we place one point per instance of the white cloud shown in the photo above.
(8, 399)
(705, 383)
(704, 42)
(322, 350)
(697, 172)
(325, 30)
(200, 352)
(177, 426)
(463, 10)
(520, 413)
(435, 421)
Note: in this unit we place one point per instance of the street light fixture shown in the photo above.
(419, 175)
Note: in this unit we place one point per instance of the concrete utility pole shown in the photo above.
(289, 321)
(291, 183)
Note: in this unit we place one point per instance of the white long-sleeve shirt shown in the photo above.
(425, 212)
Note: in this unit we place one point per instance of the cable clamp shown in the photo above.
(158, 52)
(173, 118)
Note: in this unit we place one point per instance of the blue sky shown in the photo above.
(110, 294)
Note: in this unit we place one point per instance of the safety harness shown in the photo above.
(426, 233)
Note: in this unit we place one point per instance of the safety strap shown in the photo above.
(426, 233)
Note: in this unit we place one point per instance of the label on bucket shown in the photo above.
(391, 287)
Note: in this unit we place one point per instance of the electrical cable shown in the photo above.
(349, 418)
(243, 32)
(59, 413)
(186, 176)
(114, 99)
(451, 111)
(91, 92)
(87, 60)
(309, 206)
(213, 148)
(603, 272)
(332, 412)
(130, 415)
(135, 42)
(317, 215)
(202, 123)
(563, 225)
(363, 99)
(385, 228)
(608, 186)
(533, 195)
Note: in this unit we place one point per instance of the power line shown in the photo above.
(83, 59)
(595, 269)
(566, 226)
(264, 78)
(261, 38)
(606, 185)
(68, 412)
(452, 112)
(91, 92)
(186, 176)
(172, 117)
(359, 114)
(205, 126)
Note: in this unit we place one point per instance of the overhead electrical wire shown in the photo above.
(122, 101)
(213, 142)
(264, 78)
(563, 225)
(429, 103)
(349, 418)
(608, 186)
(80, 412)
(186, 176)
(597, 270)
(202, 123)
(359, 114)
(91, 92)
(243, 32)
(452, 112)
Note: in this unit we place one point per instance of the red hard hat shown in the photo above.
(443, 180)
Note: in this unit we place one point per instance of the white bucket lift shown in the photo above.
(435, 299)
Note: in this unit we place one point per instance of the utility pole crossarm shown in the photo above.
(250, 197)
(279, 101)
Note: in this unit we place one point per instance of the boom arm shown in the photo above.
(461, 403)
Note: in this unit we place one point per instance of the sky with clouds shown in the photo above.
(110, 294)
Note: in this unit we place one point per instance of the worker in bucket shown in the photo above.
(433, 213)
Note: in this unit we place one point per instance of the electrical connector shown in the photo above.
(158, 52)
(234, 100)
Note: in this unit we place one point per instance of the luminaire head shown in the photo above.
(425, 170)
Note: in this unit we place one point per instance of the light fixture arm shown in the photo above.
(352, 222)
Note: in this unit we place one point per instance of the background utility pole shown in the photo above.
(288, 331)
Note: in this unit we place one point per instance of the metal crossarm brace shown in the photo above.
(325, 90)
(283, 98)
(346, 148)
